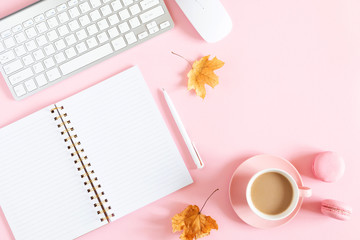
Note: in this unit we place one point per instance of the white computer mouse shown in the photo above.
(209, 18)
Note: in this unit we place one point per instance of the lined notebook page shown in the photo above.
(127, 142)
(41, 192)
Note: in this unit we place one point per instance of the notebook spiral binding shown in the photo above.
(83, 164)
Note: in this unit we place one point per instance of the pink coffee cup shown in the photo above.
(297, 192)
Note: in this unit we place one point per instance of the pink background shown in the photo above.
(290, 87)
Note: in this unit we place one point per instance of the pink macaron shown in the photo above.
(328, 166)
(336, 209)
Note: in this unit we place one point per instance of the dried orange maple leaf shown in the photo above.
(193, 224)
(202, 73)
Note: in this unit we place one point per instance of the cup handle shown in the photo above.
(305, 192)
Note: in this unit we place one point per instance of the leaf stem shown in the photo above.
(208, 199)
(182, 58)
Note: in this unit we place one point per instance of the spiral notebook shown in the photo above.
(87, 160)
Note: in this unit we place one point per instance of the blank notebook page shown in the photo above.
(41, 192)
(127, 142)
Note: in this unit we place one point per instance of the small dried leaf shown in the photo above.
(202, 73)
(194, 224)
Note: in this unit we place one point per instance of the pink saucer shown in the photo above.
(239, 182)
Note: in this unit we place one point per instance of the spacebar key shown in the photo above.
(86, 59)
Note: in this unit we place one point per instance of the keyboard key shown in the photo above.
(63, 17)
(13, 66)
(151, 25)
(124, 27)
(9, 42)
(70, 53)
(134, 22)
(130, 37)
(38, 55)
(17, 28)
(70, 40)
(128, 2)
(41, 80)
(154, 30)
(113, 32)
(86, 59)
(152, 14)
(95, 3)
(72, 3)
(21, 76)
(20, 90)
(52, 35)
(41, 41)
(49, 62)
(81, 35)
(38, 67)
(6, 34)
(31, 32)
(124, 14)
(74, 25)
(49, 49)
(7, 57)
(30, 45)
(53, 22)
(81, 47)
(20, 50)
(53, 74)
(92, 29)
(95, 15)
(116, 5)
(30, 85)
(60, 57)
(134, 9)
(41, 27)
(106, 10)
(113, 19)
(50, 13)
(60, 44)
(102, 37)
(74, 12)
(28, 23)
(61, 7)
(143, 35)
(84, 20)
(20, 37)
(103, 24)
(84, 7)
(1, 47)
(63, 30)
(118, 43)
(91, 42)
(39, 18)
(28, 59)
(164, 24)
(146, 4)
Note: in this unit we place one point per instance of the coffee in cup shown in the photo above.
(273, 194)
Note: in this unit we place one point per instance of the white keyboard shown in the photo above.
(54, 39)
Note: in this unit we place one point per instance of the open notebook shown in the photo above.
(85, 161)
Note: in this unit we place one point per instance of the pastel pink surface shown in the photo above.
(6, 9)
(328, 166)
(240, 179)
(336, 209)
(290, 87)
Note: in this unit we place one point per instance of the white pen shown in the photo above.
(190, 145)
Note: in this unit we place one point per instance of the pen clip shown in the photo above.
(200, 163)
